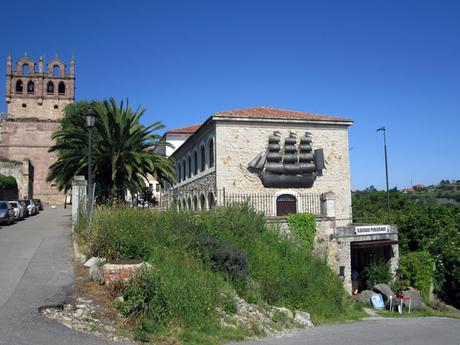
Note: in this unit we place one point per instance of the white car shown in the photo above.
(18, 210)
(33, 210)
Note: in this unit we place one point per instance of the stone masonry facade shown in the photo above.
(237, 143)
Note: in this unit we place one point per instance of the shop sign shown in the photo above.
(371, 229)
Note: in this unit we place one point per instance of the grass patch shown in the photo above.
(199, 260)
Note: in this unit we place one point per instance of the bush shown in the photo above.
(8, 182)
(375, 273)
(223, 257)
(303, 226)
(416, 270)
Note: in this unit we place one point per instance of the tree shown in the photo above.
(124, 151)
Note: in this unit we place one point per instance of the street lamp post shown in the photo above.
(90, 118)
(382, 129)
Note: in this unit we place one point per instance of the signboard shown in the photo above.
(371, 229)
(377, 302)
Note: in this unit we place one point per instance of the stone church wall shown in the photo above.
(31, 140)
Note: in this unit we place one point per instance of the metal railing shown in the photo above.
(197, 200)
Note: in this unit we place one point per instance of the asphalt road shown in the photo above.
(36, 270)
(414, 331)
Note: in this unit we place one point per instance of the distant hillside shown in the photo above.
(446, 192)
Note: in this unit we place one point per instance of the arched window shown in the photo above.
(56, 71)
(50, 87)
(195, 203)
(189, 203)
(25, 69)
(202, 202)
(61, 88)
(19, 86)
(30, 87)
(179, 173)
(203, 158)
(195, 163)
(211, 153)
(189, 170)
(211, 201)
(286, 204)
(183, 171)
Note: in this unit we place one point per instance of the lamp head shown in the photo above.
(90, 118)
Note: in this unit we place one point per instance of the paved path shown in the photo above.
(416, 331)
(36, 270)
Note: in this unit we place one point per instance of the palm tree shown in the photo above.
(124, 151)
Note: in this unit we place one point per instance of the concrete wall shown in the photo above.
(237, 143)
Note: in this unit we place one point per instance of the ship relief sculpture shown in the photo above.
(295, 165)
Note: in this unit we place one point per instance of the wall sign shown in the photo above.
(292, 165)
(372, 229)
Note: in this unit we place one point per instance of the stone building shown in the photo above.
(35, 96)
(280, 162)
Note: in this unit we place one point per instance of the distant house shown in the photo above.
(408, 190)
(419, 186)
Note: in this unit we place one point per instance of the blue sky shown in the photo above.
(382, 63)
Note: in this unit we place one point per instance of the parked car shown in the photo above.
(18, 209)
(24, 206)
(39, 204)
(33, 210)
(6, 213)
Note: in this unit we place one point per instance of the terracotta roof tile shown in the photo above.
(184, 130)
(271, 113)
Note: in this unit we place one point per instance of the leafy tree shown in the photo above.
(123, 149)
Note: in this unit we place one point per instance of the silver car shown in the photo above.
(18, 210)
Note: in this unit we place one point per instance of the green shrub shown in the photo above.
(416, 269)
(377, 272)
(7, 182)
(224, 257)
(303, 226)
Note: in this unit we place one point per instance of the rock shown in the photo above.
(383, 289)
(95, 274)
(365, 296)
(303, 318)
(95, 261)
(416, 299)
(282, 310)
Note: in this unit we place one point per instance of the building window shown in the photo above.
(56, 106)
(25, 69)
(56, 71)
(195, 163)
(50, 87)
(179, 173)
(24, 105)
(286, 204)
(19, 86)
(30, 87)
(211, 153)
(183, 170)
(203, 158)
(189, 170)
(61, 88)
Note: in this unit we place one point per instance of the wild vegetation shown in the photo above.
(123, 149)
(429, 234)
(200, 261)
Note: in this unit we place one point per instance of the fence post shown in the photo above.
(78, 197)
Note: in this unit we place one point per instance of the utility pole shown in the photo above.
(382, 129)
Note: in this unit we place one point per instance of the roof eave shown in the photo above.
(340, 122)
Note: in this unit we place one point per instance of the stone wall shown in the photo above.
(237, 143)
(199, 190)
(23, 173)
(31, 139)
(49, 109)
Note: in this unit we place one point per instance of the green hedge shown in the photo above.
(417, 271)
(303, 226)
(7, 182)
